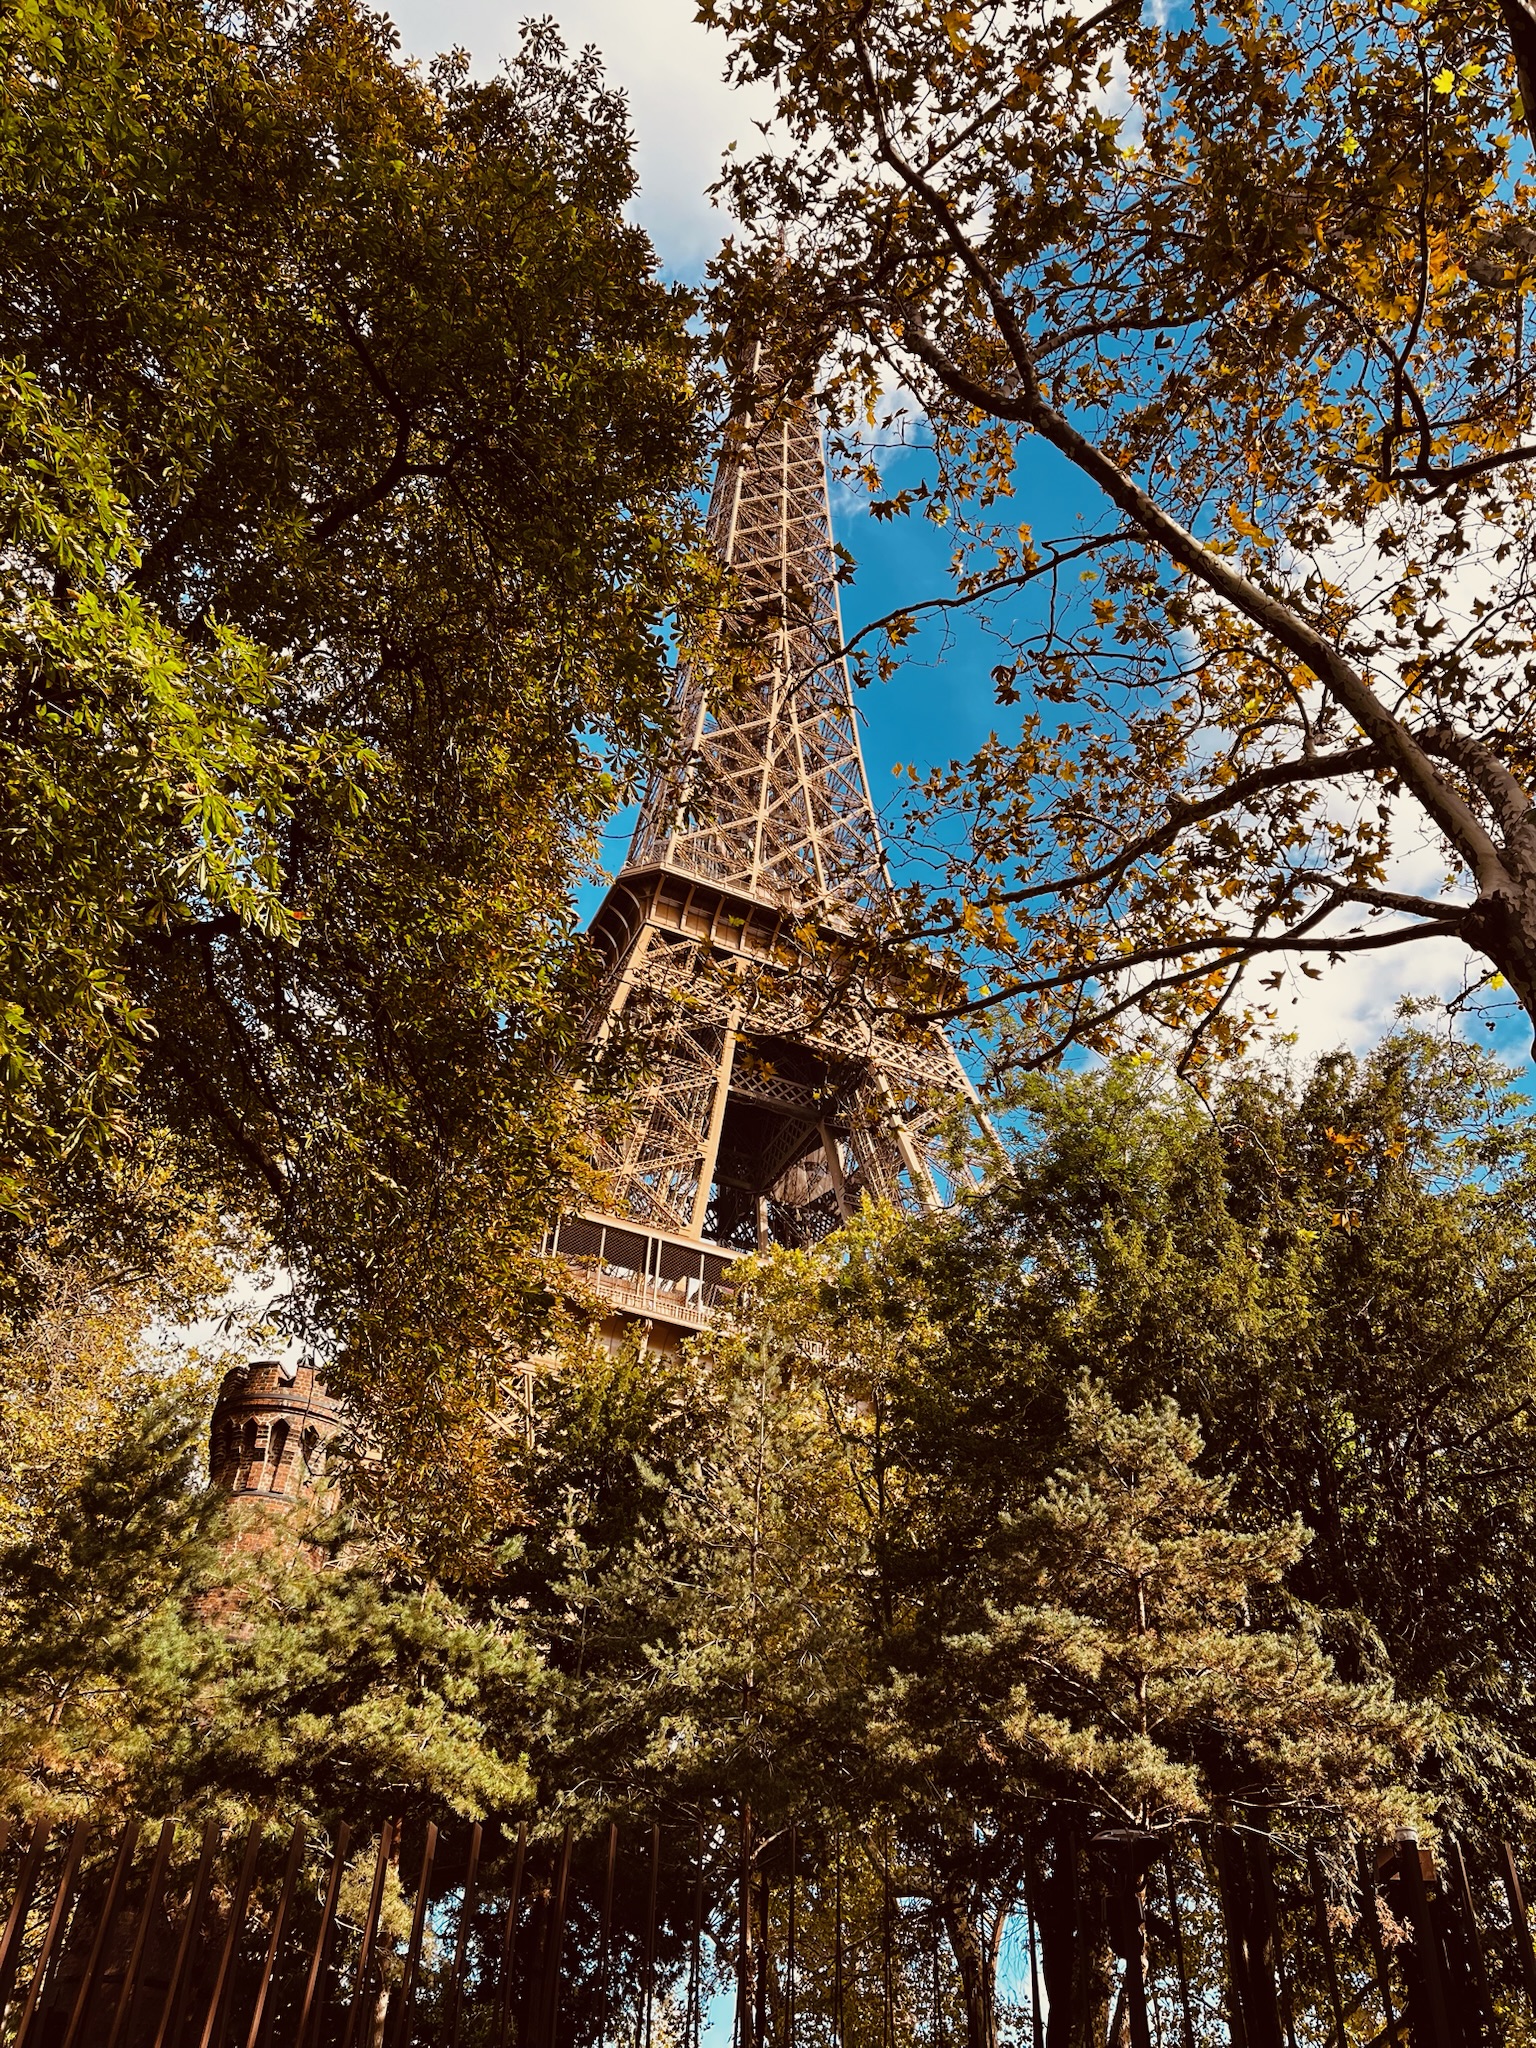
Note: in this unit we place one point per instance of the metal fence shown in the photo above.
(535, 1935)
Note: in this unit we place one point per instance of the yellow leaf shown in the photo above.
(957, 25)
(1239, 521)
(1444, 81)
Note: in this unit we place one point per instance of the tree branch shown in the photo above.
(1316, 767)
(1232, 950)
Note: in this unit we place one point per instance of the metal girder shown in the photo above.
(760, 830)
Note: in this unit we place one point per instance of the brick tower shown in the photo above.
(780, 1087)
(272, 1426)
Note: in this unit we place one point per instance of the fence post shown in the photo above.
(274, 1939)
(1425, 1939)
(402, 2015)
(1373, 1937)
(108, 1914)
(313, 2008)
(461, 1948)
(56, 1920)
(154, 1886)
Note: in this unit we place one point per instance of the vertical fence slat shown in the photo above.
(1325, 1942)
(216, 2024)
(405, 1991)
(605, 1939)
(312, 2012)
(1474, 1936)
(369, 1934)
(556, 1942)
(1524, 1947)
(56, 1923)
(1176, 1921)
(650, 1934)
(259, 2016)
(178, 1992)
(1272, 1922)
(1425, 1943)
(838, 2027)
(743, 2020)
(1032, 1929)
(108, 1914)
(466, 1922)
(1378, 1953)
(789, 1932)
(760, 2002)
(887, 1947)
(154, 1886)
(509, 1938)
(694, 2024)
(21, 1903)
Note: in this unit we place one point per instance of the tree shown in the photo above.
(1134, 1683)
(351, 432)
(140, 783)
(1332, 1272)
(860, 1601)
(1258, 280)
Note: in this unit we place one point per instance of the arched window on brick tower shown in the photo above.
(265, 1411)
(277, 1457)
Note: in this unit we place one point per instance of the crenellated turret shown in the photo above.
(273, 1425)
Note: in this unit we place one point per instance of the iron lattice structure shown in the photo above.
(780, 1087)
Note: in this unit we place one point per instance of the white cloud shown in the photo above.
(684, 113)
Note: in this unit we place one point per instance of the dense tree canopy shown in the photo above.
(349, 433)
(1260, 279)
(921, 1539)
(917, 1552)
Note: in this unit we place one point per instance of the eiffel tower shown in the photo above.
(775, 1095)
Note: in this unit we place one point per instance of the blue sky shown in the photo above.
(940, 703)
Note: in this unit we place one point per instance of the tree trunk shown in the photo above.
(1075, 1957)
(1246, 1891)
(974, 1961)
